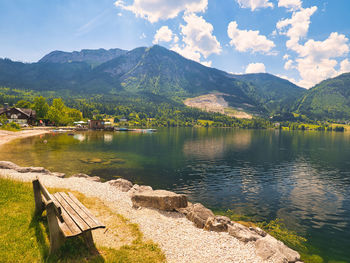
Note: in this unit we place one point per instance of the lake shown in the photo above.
(301, 177)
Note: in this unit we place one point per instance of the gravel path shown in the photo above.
(180, 240)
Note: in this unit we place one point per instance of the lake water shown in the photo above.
(301, 177)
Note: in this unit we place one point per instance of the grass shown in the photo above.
(24, 237)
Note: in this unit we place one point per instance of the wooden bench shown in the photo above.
(66, 216)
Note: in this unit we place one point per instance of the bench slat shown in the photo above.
(77, 207)
(71, 212)
(88, 217)
(69, 227)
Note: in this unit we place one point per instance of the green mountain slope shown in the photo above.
(328, 100)
(276, 94)
(90, 56)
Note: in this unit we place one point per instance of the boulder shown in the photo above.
(269, 247)
(122, 184)
(139, 189)
(32, 170)
(160, 199)
(8, 165)
(185, 210)
(217, 224)
(242, 233)
(88, 177)
(199, 214)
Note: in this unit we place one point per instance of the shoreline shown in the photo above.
(8, 136)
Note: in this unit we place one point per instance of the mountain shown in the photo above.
(153, 72)
(276, 94)
(329, 99)
(89, 56)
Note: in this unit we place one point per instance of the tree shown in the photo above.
(56, 112)
(74, 114)
(23, 104)
(41, 107)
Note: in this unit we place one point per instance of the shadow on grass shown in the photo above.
(73, 250)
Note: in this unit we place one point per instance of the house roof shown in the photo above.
(27, 112)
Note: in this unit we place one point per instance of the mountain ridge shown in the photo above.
(158, 71)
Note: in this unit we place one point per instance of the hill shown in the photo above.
(276, 94)
(328, 100)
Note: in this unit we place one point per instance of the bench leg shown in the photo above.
(39, 205)
(56, 236)
(89, 240)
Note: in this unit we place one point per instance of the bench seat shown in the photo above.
(76, 217)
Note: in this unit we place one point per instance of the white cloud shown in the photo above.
(164, 34)
(287, 78)
(317, 59)
(155, 10)
(299, 25)
(344, 66)
(245, 40)
(206, 63)
(198, 35)
(290, 4)
(198, 39)
(187, 52)
(286, 56)
(254, 4)
(288, 65)
(334, 46)
(255, 68)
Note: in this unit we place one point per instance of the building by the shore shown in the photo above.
(20, 116)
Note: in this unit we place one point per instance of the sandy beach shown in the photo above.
(7, 136)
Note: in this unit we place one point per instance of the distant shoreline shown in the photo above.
(7, 136)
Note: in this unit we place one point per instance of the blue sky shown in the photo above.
(304, 41)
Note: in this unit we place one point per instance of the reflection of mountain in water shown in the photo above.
(215, 147)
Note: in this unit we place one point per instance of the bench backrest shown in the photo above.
(43, 198)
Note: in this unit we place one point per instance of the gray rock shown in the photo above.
(8, 165)
(122, 184)
(88, 177)
(139, 189)
(217, 224)
(242, 233)
(199, 214)
(269, 247)
(160, 199)
(32, 170)
(60, 175)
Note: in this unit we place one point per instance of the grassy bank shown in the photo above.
(25, 237)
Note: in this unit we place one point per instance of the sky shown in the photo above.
(304, 41)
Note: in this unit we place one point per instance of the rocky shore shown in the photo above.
(186, 232)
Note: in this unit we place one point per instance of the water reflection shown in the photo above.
(215, 147)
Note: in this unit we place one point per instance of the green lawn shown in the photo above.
(24, 237)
